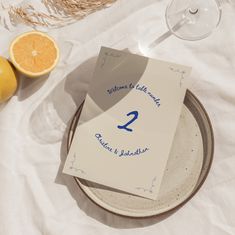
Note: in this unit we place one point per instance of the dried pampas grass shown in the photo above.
(56, 12)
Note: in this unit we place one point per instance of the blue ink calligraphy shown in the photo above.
(128, 153)
(135, 117)
(122, 153)
(140, 88)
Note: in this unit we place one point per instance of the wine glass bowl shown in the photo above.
(193, 19)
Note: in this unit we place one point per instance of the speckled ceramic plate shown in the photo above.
(187, 168)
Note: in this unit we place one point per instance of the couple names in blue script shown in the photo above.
(120, 153)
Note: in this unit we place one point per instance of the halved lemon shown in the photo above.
(34, 53)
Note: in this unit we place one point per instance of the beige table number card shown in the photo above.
(128, 122)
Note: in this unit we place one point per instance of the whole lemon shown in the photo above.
(8, 82)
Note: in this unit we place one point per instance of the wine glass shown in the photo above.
(193, 19)
(186, 19)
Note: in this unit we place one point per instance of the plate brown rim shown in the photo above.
(74, 122)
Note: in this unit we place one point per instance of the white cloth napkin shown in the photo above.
(36, 198)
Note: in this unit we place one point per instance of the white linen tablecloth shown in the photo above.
(37, 199)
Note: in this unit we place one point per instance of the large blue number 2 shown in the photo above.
(125, 127)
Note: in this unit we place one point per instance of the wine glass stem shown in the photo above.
(177, 26)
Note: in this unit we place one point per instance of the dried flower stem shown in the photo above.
(59, 12)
